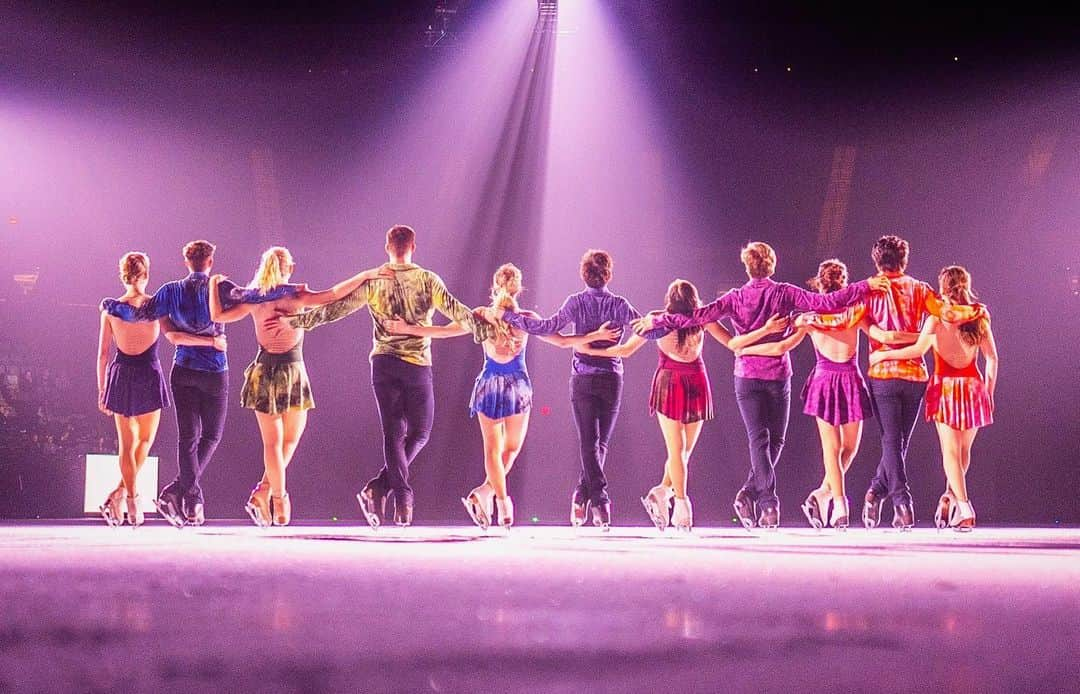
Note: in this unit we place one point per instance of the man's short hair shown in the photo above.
(199, 254)
(400, 239)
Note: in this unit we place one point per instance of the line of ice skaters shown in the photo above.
(888, 307)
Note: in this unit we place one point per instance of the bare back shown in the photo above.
(836, 345)
(503, 349)
(690, 350)
(283, 337)
(950, 347)
(133, 338)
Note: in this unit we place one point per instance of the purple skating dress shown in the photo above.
(134, 383)
(836, 392)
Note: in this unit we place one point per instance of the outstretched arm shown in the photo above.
(624, 350)
(105, 336)
(344, 288)
(396, 326)
(775, 324)
(445, 303)
(157, 306)
(605, 333)
(926, 338)
(805, 300)
(775, 349)
(217, 313)
(327, 313)
(887, 337)
(709, 313)
(534, 325)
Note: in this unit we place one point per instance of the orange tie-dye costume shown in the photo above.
(958, 396)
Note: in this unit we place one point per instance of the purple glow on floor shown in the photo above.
(544, 610)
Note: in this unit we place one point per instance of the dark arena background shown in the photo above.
(668, 133)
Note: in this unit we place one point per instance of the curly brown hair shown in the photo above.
(596, 267)
(134, 265)
(890, 254)
(831, 276)
(682, 297)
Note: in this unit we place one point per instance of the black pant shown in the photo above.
(896, 407)
(595, 398)
(764, 406)
(201, 400)
(406, 401)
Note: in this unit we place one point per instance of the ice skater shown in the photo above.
(681, 398)
(131, 388)
(595, 382)
(400, 365)
(502, 395)
(276, 384)
(959, 399)
(835, 393)
(762, 383)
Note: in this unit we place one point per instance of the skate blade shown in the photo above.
(173, 519)
(477, 514)
(110, 520)
(256, 517)
(744, 522)
(372, 518)
(657, 521)
(814, 521)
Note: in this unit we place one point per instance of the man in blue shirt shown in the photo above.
(199, 377)
(595, 382)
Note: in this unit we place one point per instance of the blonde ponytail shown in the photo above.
(276, 262)
(505, 286)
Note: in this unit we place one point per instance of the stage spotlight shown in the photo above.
(103, 473)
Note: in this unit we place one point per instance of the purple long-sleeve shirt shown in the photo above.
(755, 302)
(587, 310)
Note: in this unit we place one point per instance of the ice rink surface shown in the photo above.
(229, 607)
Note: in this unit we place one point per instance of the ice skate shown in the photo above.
(478, 505)
(816, 508)
(258, 505)
(282, 509)
(744, 510)
(840, 513)
(579, 509)
(372, 504)
(962, 519)
(944, 510)
(601, 515)
(505, 507)
(168, 505)
(135, 514)
(113, 508)
(656, 503)
(682, 517)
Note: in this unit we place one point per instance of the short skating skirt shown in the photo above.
(500, 393)
(960, 402)
(837, 394)
(135, 385)
(276, 383)
(680, 391)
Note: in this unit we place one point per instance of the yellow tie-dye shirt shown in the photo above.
(413, 295)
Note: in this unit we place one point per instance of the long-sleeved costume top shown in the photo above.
(587, 310)
(186, 303)
(755, 302)
(413, 295)
(903, 307)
